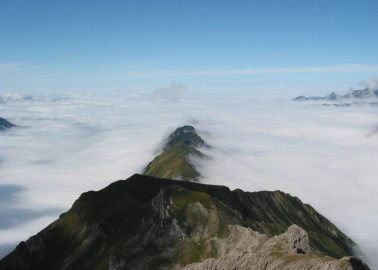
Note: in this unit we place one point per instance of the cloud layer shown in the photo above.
(69, 144)
(371, 83)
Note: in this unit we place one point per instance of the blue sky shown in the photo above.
(124, 44)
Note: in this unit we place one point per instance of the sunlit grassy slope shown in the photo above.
(176, 159)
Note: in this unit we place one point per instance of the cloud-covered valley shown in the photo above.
(66, 144)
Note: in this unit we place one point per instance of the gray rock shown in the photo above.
(245, 249)
(5, 124)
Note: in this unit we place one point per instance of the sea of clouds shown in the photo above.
(66, 144)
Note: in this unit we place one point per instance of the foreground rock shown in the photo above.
(246, 249)
(152, 223)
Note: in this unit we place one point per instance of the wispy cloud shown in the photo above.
(11, 66)
(170, 93)
(371, 83)
(344, 68)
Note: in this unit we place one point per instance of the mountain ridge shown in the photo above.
(354, 96)
(152, 223)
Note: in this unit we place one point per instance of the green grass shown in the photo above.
(196, 251)
(174, 163)
(181, 198)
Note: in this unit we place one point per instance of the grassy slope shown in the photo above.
(174, 163)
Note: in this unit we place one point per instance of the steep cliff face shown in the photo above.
(176, 159)
(152, 223)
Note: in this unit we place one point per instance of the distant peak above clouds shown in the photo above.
(357, 94)
(365, 95)
(5, 124)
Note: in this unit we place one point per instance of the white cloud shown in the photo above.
(11, 65)
(86, 141)
(371, 83)
(172, 93)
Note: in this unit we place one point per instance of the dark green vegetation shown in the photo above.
(175, 160)
(152, 223)
(4, 124)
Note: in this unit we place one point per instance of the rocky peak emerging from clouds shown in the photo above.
(5, 124)
(356, 96)
(186, 135)
(176, 161)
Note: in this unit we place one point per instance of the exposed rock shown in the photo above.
(186, 135)
(5, 124)
(256, 251)
(298, 239)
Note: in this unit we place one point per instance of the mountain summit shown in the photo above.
(147, 222)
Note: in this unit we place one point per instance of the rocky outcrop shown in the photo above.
(246, 249)
(5, 124)
(152, 223)
(186, 135)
